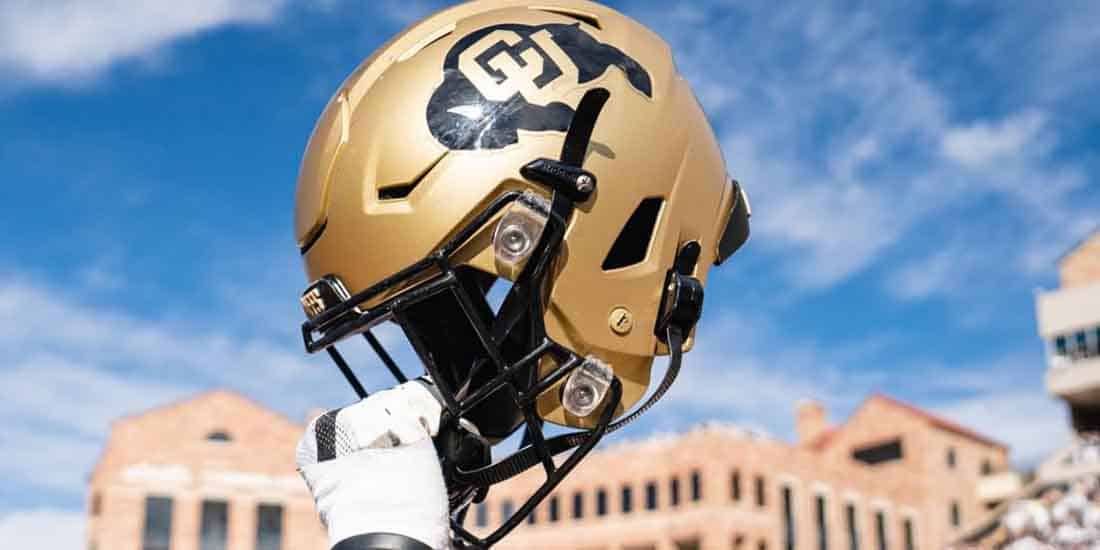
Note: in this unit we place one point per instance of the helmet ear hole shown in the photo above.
(632, 244)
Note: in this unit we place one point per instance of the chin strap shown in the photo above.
(528, 457)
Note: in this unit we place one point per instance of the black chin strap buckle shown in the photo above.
(682, 301)
(572, 181)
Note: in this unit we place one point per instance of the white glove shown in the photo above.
(372, 467)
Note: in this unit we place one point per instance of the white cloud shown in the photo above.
(37, 459)
(42, 319)
(922, 278)
(43, 529)
(735, 374)
(982, 143)
(78, 397)
(1032, 424)
(67, 41)
(852, 146)
(58, 413)
(72, 368)
(750, 372)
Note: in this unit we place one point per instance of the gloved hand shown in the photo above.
(372, 469)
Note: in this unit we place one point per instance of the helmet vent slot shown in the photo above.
(397, 192)
(632, 244)
(572, 14)
(403, 190)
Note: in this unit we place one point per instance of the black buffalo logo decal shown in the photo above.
(505, 78)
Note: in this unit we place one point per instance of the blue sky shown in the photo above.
(915, 168)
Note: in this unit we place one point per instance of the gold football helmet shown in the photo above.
(549, 145)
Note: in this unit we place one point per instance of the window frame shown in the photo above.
(651, 496)
(908, 533)
(882, 452)
(260, 523)
(553, 509)
(1061, 346)
(219, 436)
(851, 524)
(209, 505)
(481, 515)
(696, 485)
(735, 485)
(882, 535)
(821, 520)
(790, 520)
(170, 510)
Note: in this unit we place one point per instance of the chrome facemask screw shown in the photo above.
(621, 321)
(585, 183)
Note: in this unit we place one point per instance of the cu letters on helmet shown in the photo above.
(498, 80)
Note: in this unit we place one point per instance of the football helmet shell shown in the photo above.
(439, 122)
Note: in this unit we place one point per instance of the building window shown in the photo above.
(214, 530)
(554, 517)
(956, 514)
(157, 533)
(987, 467)
(688, 544)
(601, 502)
(628, 499)
(219, 436)
(674, 491)
(96, 506)
(822, 524)
(761, 493)
(951, 458)
(880, 530)
(506, 510)
(788, 519)
(696, 486)
(1060, 347)
(578, 505)
(907, 531)
(735, 485)
(877, 454)
(269, 527)
(651, 495)
(532, 518)
(853, 527)
(482, 515)
(1082, 344)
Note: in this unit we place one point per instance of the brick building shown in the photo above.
(215, 472)
(891, 477)
(181, 477)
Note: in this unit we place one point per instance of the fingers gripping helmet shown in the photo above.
(553, 147)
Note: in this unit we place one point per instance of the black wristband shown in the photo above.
(381, 541)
